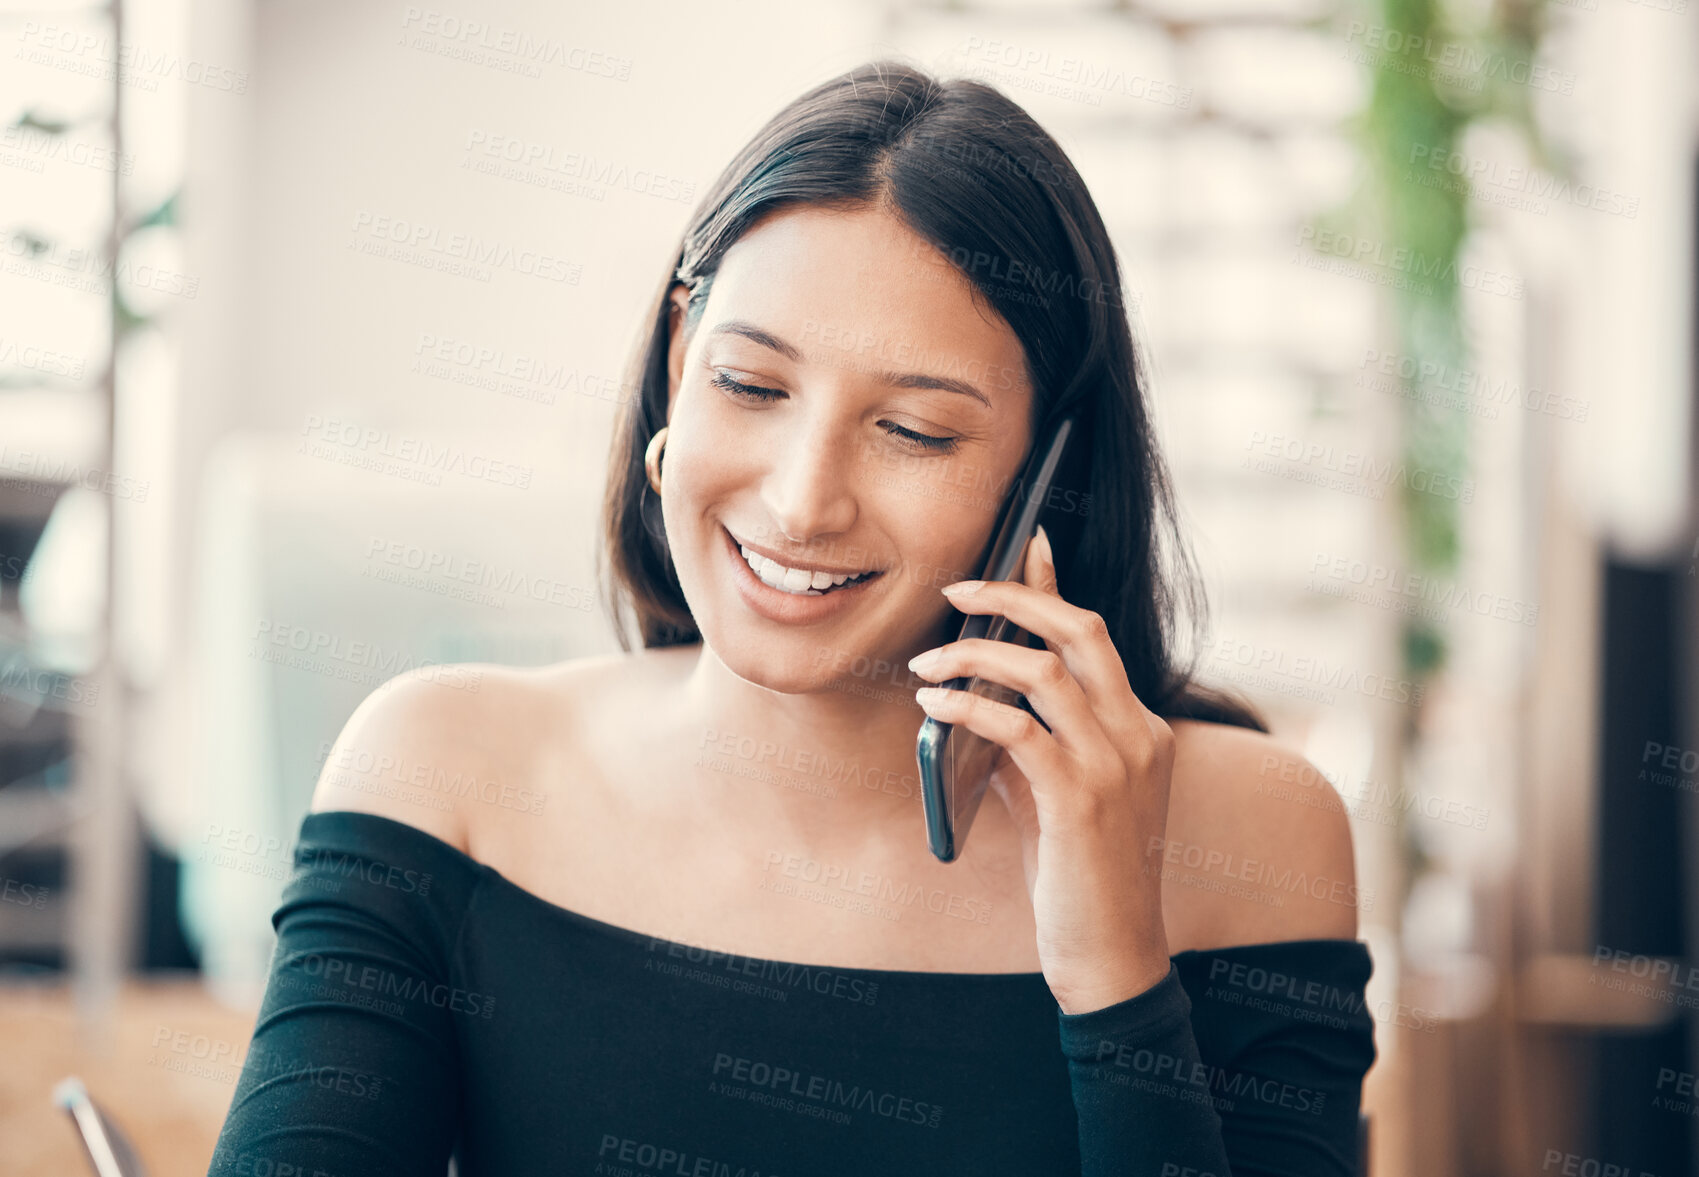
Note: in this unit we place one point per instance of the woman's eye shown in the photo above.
(755, 392)
(941, 444)
(739, 388)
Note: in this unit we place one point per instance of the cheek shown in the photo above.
(943, 512)
(706, 453)
(941, 544)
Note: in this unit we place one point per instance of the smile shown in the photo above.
(790, 595)
(798, 581)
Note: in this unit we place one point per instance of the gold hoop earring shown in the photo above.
(652, 458)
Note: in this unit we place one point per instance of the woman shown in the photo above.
(674, 912)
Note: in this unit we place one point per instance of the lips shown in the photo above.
(801, 582)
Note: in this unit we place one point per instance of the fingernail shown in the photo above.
(924, 662)
(1048, 553)
(929, 696)
(963, 587)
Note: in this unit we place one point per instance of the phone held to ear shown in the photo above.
(955, 764)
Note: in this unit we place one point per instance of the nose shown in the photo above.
(809, 487)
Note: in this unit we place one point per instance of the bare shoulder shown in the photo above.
(1258, 846)
(425, 746)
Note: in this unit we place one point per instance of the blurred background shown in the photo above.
(312, 324)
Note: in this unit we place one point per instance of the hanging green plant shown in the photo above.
(1431, 79)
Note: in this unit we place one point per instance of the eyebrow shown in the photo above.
(767, 339)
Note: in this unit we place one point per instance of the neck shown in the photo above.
(836, 761)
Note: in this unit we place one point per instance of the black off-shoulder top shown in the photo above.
(423, 1011)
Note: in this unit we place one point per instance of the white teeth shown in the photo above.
(792, 580)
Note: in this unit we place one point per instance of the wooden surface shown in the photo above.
(166, 1075)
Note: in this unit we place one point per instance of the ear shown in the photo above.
(678, 300)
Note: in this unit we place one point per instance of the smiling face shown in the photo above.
(846, 404)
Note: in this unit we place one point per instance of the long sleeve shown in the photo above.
(353, 1067)
(1246, 1061)
(421, 1006)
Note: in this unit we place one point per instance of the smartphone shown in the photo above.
(955, 765)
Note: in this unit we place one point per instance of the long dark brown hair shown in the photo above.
(971, 172)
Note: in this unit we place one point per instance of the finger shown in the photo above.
(1034, 750)
(1039, 563)
(1040, 571)
(1041, 675)
(1079, 635)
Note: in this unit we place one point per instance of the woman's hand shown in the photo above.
(1087, 796)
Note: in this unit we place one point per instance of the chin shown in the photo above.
(791, 666)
